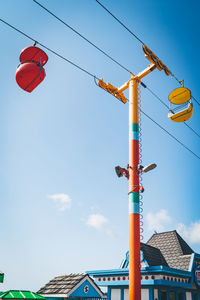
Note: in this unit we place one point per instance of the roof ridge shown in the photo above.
(148, 245)
(182, 241)
(185, 255)
(67, 281)
(71, 275)
(159, 233)
(179, 245)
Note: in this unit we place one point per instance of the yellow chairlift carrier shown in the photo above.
(182, 97)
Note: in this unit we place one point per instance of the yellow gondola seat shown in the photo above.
(183, 115)
(180, 95)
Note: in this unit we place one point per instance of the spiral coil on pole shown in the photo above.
(140, 163)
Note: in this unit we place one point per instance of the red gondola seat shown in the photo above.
(30, 73)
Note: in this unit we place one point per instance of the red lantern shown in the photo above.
(30, 72)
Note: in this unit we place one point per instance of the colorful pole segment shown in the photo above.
(134, 207)
(134, 213)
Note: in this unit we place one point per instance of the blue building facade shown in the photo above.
(170, 270)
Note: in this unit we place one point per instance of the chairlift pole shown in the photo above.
(133, 175)
(134, 184)
(134, 210)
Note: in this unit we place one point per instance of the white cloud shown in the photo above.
(97, 221)
(157, 221)
(191, 233)
(62, 201)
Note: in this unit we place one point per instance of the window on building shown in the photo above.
(180, 296)
(172, 296)
(195, 297)
(115, 294)
(163, 295)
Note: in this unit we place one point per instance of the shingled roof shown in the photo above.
(153, 255)
(62, 284)
(72, 285)
(176, 252)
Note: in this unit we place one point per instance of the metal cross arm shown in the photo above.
(118, 92)
(138, 77)
(112, 90)
(154, 59)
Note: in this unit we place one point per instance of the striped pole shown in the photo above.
(134, 214)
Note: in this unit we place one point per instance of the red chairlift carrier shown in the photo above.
(30, 73)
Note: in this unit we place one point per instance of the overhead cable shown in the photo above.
(160, 126)
(92, 75)
(47, 48)
(83, 37)
(133, 34)
(91, 43)
(196, 100)
(172, 136)
(158, 98)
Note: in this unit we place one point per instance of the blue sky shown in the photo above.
(63, 209)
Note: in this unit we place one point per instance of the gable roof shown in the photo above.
(174, 249)
(62, 284)
(66, 285)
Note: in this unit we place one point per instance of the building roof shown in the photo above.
(166, 249)
(62, 284)
(72, 285)
(16, 294)
(166, 260)
(176, 252)
(153, 256)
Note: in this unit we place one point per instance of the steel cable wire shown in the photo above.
(158, 98)
(47, 48)
(160, 126)
(92, 75)
(82, 36)
(135, 36)
(114, 60)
